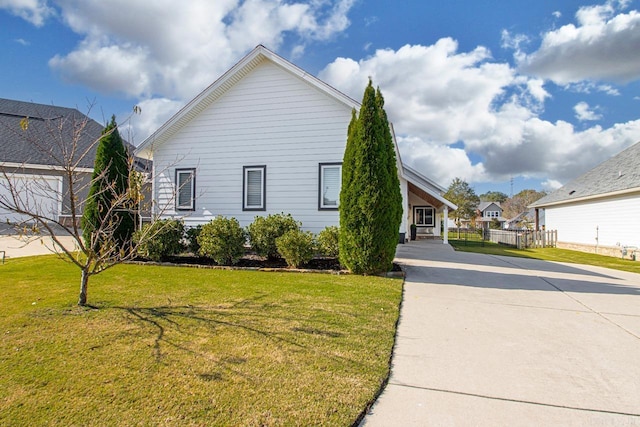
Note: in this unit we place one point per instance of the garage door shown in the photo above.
(37, 193)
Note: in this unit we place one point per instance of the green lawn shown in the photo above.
(549, 254)
(182, 346)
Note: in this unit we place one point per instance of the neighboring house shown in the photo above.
(525, 220)
(32, 152)
(598, 211)
(267, 137)
(488, 213)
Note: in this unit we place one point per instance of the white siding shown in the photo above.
(38, 194)
(270, 118)
(406, 212)
(617, 220)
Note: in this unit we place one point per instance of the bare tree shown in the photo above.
(67, 144)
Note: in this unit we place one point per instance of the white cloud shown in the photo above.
(602, 46)
(513, 41)
(171, 50)
(459, 114)
(434, 79)
(153, 113)
(591, 87)
(585, 113)
(430, 159)
(33, 11)
(176, 48)
(551, 185)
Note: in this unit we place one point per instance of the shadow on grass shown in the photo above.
(285, 330)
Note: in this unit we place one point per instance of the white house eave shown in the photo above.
(586, 198)
(222, 85)
(42, 167)
(436, 186)
(425, 185)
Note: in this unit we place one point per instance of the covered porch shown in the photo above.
(427, 213)
(424, 207)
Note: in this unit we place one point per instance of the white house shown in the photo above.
(600, 210)
(489, 212)
(267, 137)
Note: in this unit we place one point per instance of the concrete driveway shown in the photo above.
(501, 341)
(15, 247)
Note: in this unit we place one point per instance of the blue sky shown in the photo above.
(537, 92)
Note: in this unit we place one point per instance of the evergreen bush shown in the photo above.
(370, 198)
(264, 231)
(103, 221)
(222, 239)
(160, 239)
(296, 247)
(328, 241)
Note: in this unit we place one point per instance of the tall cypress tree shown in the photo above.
(370, 198)
(103, 222)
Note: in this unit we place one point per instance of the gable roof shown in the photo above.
(218, 88)
(425, 184)
(46, 122)
(484, 205)
(247, 64)
(618, 175)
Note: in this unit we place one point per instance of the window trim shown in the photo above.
(321, 167)
(192, 204)
(433, 216)
(263, 193)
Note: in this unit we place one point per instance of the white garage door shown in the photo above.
(37, 193)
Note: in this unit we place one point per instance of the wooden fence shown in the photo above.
(523, 239)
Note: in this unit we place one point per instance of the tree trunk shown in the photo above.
(82, 300)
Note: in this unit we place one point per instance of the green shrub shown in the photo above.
(264, 231)
(192, 234)
(160, 239)
(328, 241)
(222, 239)
(296, 247)
(370, 198)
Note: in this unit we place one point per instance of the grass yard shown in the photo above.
(183, 346)
(548, 254)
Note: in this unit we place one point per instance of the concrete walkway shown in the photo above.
(14, 247)
(500, 341)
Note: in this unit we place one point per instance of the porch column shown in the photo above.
(445, 225)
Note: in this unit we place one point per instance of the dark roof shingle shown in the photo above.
(48, 124)
(619, 173)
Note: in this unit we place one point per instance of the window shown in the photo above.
(424, 216)
(186, 189)
(254, 188)
(330, 180)
(491, 214)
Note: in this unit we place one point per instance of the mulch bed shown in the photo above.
(258, 262)
(255, 261)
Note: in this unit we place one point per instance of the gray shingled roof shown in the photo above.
(619, 173)
(44, 124)
(484, 205)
